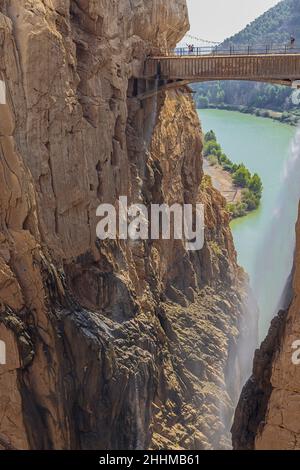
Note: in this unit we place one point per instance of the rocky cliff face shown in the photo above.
(267, 417)
(115, 344)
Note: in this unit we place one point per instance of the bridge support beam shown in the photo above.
(164, 85)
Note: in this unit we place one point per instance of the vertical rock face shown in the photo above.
(110, 345)
(267, 417)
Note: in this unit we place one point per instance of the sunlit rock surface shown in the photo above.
(110, 345)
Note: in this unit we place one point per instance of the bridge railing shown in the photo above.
(233, 50)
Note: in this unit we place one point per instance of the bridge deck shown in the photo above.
(273, 68)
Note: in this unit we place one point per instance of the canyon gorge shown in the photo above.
(118, 344)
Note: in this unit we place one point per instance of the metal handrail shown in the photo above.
(233, 50)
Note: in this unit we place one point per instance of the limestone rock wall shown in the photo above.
(110, 345)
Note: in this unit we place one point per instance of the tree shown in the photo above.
(210, 135)
(250, 199)
(255, 184)
(242, 177)
(212, 148)
(203, 102)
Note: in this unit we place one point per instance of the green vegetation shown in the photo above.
(251, 96)
(241, 177)
(272, 28)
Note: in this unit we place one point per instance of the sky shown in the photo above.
(217, 20)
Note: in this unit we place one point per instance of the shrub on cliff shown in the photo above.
(236, 210)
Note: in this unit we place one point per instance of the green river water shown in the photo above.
(263, 146)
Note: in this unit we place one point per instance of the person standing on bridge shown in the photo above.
(293, 40)
(191, 49)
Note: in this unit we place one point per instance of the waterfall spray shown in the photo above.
(275, 257)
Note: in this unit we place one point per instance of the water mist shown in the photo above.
(275, 256)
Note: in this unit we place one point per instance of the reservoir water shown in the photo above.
(264, 146)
